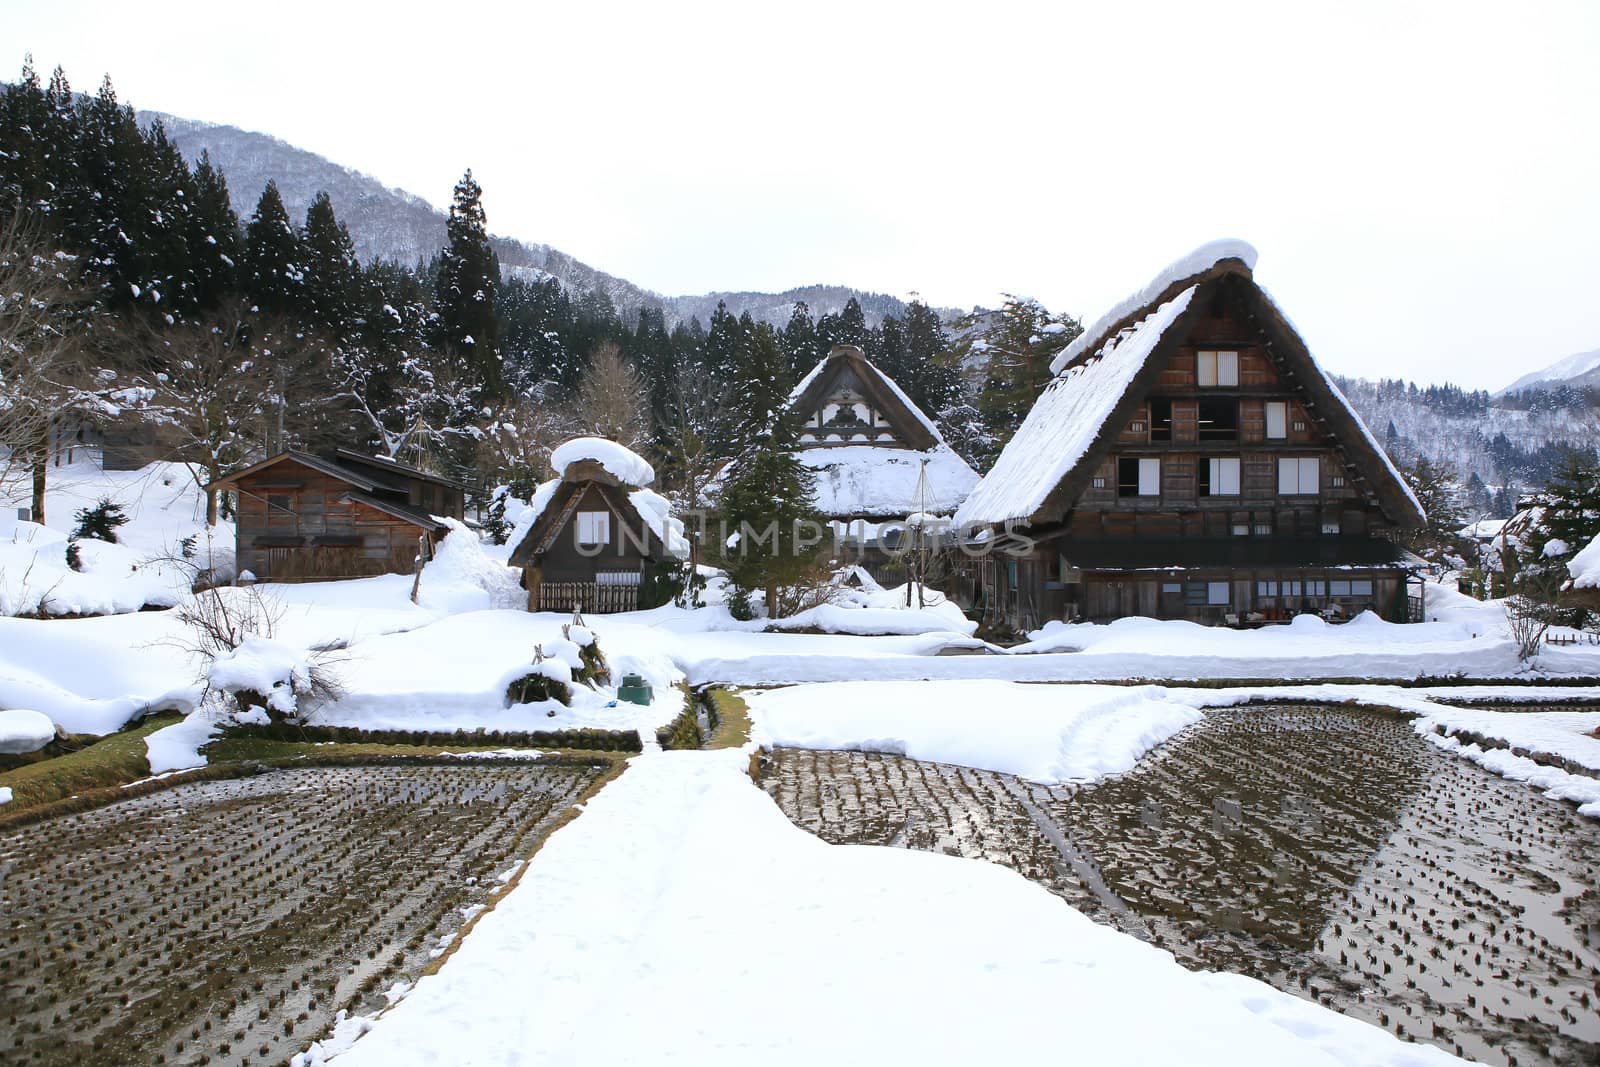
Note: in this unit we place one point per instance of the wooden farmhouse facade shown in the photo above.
(599, 540)
(1190, 460)
(304, 517)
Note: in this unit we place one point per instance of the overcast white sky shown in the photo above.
(1422, 181)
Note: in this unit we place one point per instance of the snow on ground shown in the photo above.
(164, 507)
(1045, 733)
(92, 675)
(177, 747)
(682, 875)
(449, 675)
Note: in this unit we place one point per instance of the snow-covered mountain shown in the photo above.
(1504, 440)
(1580, 371)
(388, 223)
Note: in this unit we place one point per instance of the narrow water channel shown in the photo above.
(1328, 851)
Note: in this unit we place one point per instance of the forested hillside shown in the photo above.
(1516, 441)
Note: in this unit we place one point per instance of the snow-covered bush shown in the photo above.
(549, 678)
(267, 679)
(592, 667)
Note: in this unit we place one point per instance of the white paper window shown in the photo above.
(1277, 420)
(1299, 476)
(1218, 368)
(1338, 587)
(1225, 476)
(1150, 477)
(1217, 593)
(1361, 587)
(594, 527)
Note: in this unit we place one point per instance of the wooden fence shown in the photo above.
(612, 592)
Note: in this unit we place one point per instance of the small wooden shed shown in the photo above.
(597, 537)
(304, 517)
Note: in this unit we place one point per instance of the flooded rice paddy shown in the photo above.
(1328, 851)
(227, 922)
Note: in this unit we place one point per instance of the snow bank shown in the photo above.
(681, 875)
(1065, 421)
(24, 731)
(177, 747)
(164, 507)
(463, 577)
(620, 461)
(92, 675)
(1043, 733)
(36, 579)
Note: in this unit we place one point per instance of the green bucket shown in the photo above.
(634, 689)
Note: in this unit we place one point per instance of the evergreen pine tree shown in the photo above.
(1570, 511)
(1017, 344)
(1440, 540)
(213, 236)
(933, 373)
(272, 274)
(330, 289)
(723, 341)
(769, 510)
(886, 347)
(800, 345)
(852, 329)
(468, 283)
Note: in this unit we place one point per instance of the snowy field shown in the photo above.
(683, 918)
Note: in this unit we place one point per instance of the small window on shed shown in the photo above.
(594, 527)
(1217, 593)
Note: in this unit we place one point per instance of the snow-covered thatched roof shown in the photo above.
(1103, 376)
(870, 481)
(867, 479)
(617, 460)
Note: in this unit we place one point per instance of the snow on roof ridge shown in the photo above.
(1064, 424)
(618, 460)
(1196, 262)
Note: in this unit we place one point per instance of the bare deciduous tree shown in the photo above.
(612, 400)
(45, 379)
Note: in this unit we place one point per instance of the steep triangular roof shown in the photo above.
(909, 422)
(1104, 375)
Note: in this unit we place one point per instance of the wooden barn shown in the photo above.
(304, 517)
(1190, 460)
(597, 538)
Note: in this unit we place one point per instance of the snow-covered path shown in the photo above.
(682, 918)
